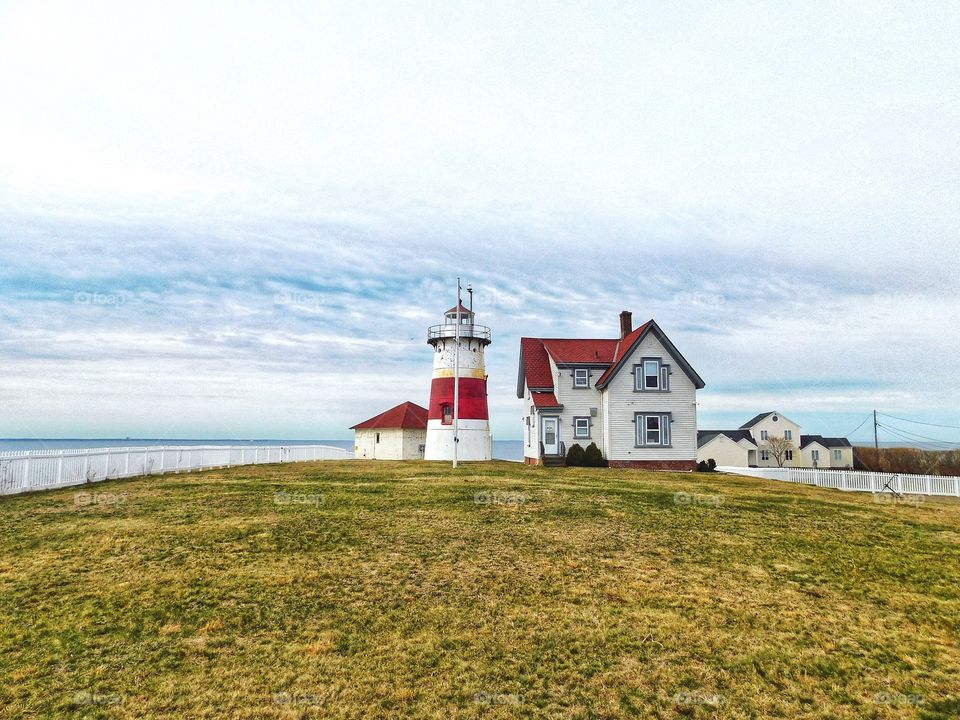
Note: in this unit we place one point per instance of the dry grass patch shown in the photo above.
(405, 589)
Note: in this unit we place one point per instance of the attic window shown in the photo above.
(581, 378)
(652, 375)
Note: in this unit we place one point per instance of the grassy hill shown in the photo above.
(362, 590)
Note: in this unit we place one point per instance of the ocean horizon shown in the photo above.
(502, 449)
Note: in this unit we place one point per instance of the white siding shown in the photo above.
(776, 429)
(622, 401)
(577, 402)
(846, 460)
(531, 449)
(725, 452)
(806, 459)
(395, 444)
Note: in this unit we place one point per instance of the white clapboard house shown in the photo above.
(635, 396)
(749, 445)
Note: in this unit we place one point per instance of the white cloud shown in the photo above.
(276, 200)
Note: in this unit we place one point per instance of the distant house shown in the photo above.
(399, 433)
(634, 396)
(749, 445)
(733, 448)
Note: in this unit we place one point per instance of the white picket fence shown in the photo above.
(23, 471)
(856, 480)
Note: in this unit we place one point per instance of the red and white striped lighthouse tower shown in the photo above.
(458, 424)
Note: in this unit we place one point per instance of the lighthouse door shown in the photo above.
(551, 439)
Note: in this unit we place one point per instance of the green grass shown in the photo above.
(562, 593)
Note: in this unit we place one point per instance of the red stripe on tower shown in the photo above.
(473, 398)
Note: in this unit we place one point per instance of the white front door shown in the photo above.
(551, 436)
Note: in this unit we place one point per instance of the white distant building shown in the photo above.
(748, 446)
(399, 433)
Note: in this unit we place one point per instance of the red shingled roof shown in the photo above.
(580, 351)
(536, 364)
(535, 354)
(623, 348)
(544, 400)
(405, 415)
(463, 310)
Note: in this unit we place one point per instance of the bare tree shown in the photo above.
(779, 447)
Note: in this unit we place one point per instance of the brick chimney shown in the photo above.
(626, 323)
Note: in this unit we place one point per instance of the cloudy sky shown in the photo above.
(238, 219)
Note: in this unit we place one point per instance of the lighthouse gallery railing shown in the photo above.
(449, 330)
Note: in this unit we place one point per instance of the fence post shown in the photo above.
(163, 453)
(60, 468)
(126, 463)
(86, 466)
(26, 484)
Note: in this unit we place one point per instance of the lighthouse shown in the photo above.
(458, 346)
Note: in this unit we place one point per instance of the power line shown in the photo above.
(918, 422)
(912, 441)
(914, 437)
(859, 426)
(917, 435)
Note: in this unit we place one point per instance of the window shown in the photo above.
(764, 435)
(788, 434)
(653, 430)
(788, 455)
(815, 454)
(378, 437)
(581, 427)
(765, 455)
(447, 411)
(838, 454)
(581, 378)
(652, 375)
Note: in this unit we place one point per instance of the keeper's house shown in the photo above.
(634, 396)
(399, 433)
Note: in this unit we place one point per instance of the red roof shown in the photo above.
(463, 310)
(622, 349)
(536, 364)
(405, 415)
(544, 400)
(535, 355)
(580, 351)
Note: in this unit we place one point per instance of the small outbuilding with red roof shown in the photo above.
(399, 433)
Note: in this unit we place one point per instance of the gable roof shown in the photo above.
(406, 415)
(626, 347)
(824, 441)
(705, 436)
(536, 353)
(534, 366)
(754, 420)
(565, 352)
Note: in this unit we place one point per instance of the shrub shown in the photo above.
(575, 455)
(712, 464)
(702, 466)
(592, 457)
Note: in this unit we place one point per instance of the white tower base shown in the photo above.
(476, 442)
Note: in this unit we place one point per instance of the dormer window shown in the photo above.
(651, 375)
(581, 378)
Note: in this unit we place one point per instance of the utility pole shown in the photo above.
(876, 442)
(456, 380)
